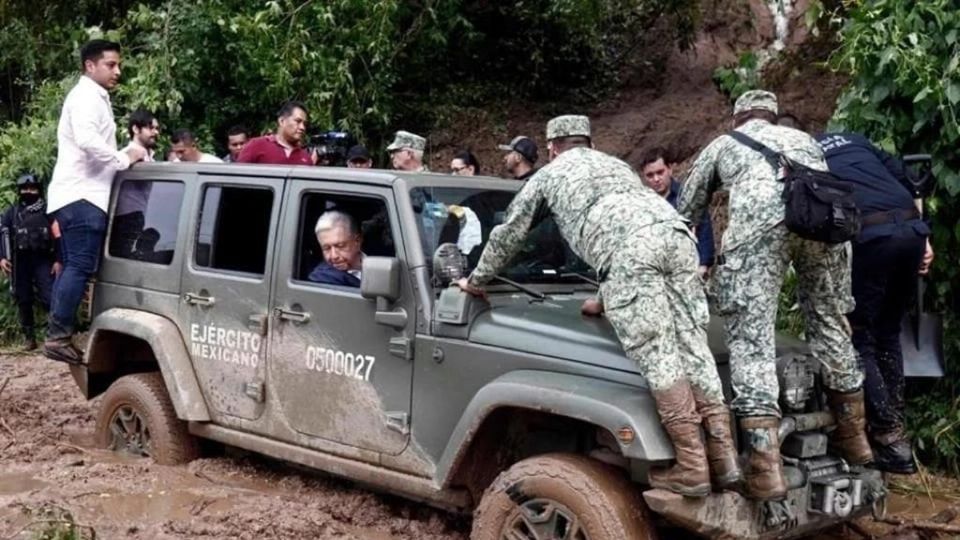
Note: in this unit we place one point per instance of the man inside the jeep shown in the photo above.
(340, 240)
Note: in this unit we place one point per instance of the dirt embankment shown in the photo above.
(678, 108)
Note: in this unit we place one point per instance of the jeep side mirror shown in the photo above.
(380, 278)
(380, 281)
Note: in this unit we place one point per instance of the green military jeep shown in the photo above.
(517, 408)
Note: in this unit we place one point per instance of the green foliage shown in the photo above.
(741, 77)
(904, 63)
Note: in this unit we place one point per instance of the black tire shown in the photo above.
(577, 497)
(136, 417)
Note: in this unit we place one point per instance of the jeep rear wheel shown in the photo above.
(561, 497)
(136, 417)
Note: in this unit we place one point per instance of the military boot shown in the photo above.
(850, 435)
(892, 451)
(763, 479)
(690, 476)
(724, 469)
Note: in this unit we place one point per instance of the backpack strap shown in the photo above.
(773, 157)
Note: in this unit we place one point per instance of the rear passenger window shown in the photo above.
(234, 229)
(146, 220)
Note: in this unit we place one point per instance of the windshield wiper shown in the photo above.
(584, 277)
(522, 288)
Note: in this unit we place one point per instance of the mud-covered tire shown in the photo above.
(137, 417)
(562, 489)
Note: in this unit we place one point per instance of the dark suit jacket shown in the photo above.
(325, 273)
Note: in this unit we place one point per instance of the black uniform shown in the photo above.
(27, 235)
(886, 258)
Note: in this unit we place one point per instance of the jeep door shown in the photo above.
(225, 291)
(337, 374)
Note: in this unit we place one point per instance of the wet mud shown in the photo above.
(47, 460)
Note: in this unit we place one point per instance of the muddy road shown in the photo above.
(49, 468)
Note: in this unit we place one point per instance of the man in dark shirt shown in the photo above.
(521, 157)
(658, 175)
(340, 240)
(285, 147)
(892, 246)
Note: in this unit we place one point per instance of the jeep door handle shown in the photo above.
(292, 316)
(195, 299)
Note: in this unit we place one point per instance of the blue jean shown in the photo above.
(82, 230)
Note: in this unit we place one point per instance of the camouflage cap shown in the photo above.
(405, 139)
(568, 125)
(756, 99)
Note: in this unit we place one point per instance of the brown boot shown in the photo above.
(850, 435)
(763, 479)
(724, 468)
(690, 476)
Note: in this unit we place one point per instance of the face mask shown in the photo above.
(29, 198)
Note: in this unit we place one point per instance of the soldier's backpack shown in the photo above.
(818, 205)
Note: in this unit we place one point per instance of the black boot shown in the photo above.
(893, 453)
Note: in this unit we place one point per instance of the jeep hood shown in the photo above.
(554, 327)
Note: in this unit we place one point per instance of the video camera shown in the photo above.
(331, 147)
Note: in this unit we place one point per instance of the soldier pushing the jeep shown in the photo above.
(28, 253)
(646, 258)
(755, 253)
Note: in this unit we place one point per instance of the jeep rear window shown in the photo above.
(145, 220)
(465, 217)
(234, 228)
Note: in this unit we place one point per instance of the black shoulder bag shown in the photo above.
(819, 206)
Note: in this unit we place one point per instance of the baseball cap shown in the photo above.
(522, 145)
(756, 99)
(358, 152)
(568, 125)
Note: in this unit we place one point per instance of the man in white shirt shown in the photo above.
(79, 192)
(185, 148)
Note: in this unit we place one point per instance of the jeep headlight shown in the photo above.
(796, 382)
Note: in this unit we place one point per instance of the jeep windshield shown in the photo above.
(465, 217)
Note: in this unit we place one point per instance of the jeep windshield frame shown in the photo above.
(463, 211)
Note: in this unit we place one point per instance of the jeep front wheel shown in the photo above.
(561, 497)
(136, 417)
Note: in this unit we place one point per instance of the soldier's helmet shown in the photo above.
(568, 125)
(28, 179)
(405, 139)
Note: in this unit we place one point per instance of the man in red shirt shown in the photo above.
(285, 147)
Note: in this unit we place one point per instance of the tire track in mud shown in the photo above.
(47, 460)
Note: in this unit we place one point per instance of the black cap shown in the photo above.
(358, 152)
(28, 179)
(524, 146)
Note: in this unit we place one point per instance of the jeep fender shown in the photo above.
(163, 337)
(606, 404)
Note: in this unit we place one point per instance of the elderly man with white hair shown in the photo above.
(340, 240)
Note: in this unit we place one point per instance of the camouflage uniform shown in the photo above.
(756, 251)
(641, 248)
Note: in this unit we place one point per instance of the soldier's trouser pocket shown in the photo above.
(725, 290)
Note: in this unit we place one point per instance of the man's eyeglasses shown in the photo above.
(456, 170)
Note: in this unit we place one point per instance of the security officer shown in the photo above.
(28, 253)
(886, 257)
(647, 260)
(755, 252)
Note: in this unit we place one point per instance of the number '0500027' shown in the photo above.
(342, 364)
